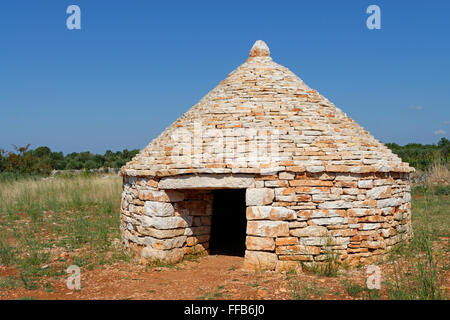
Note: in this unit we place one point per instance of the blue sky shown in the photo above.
(136, 66)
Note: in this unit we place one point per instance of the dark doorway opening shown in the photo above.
(229, 223)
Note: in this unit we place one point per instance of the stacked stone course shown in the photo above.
(164, 224)
(361, 216)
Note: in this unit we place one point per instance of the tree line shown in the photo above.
(422, 156)
(42, 160)
(23, 160)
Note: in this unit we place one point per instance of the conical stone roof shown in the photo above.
(263, 119)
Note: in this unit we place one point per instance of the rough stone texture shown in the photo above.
(162, 196)
(158, 209)
(260, 260)
(270, 213)
(267, 228)
(259, 196)
(260, 49)
(287, 176)
(331, 185)
(210, 181)
(170, 256)
(260, 243)
(365, 184)
(160, 233)
(166, 222)
(288, 266)
(165, 244)
(379, 192)
(310, 231)
(298, 250)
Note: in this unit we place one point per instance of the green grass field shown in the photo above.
(420, 266)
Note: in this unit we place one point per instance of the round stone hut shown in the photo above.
(265, 167)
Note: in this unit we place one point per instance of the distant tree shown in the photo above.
(21, 150)
(99, 160)
(73, 164)
(41, 152)
(21, 161)
(59, 164)
(3, 159)
(108, 154)
(444, 147)
(422, 156)
(392, 145)
(118, 164)
(90, 164)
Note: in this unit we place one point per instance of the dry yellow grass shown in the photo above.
(57, 192)
(437, 174)
(56, 222)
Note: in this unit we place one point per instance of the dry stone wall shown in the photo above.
(164, 224)
(293, 216)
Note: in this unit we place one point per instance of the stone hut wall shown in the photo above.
(291, 217)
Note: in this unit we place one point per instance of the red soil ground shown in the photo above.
(217, 277)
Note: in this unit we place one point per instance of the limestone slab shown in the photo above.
(207, 181)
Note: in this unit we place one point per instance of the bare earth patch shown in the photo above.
(210, 277)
